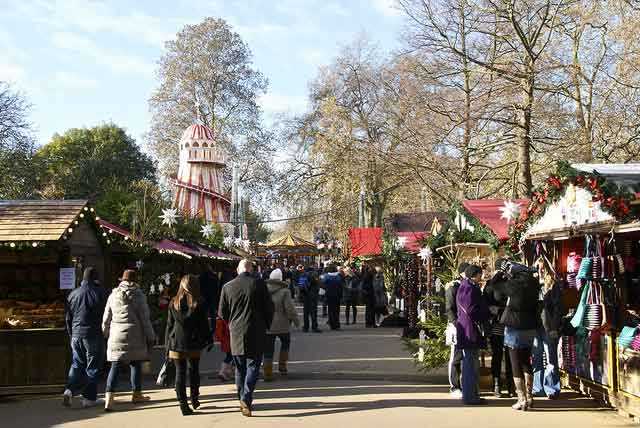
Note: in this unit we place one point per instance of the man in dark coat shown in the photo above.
(246, 305)
(85, 307)
(307, 284)
(333, 284)
(210, 292)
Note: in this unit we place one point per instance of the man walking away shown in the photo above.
(308, 289)
(85, 306)
(246, 305)
(332, 281)
(351, 293)
(455, 356)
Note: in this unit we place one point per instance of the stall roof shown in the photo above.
(365, 241)
(115, 228)
(289, 240)
(487, 211)
(37, 220)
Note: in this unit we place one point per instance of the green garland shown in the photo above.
(450, 232)
(614, 199)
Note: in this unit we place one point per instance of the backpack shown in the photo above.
(303, 282)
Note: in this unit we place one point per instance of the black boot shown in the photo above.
(181, 393)
(496, 387)
(195, 395)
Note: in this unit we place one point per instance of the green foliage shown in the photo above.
(450, 233)
(436, 351)
(82, 163)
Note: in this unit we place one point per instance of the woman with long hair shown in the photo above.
(187, 334)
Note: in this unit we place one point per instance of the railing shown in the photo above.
(207, 154)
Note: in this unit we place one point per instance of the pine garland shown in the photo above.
(614, 199)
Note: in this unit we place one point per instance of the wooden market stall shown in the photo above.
(581, 225)
(44, 246)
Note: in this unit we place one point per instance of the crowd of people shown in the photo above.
(519, 317)
(247, 315)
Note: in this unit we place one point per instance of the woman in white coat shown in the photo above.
(130, 337)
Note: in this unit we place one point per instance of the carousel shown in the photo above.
(288, 250)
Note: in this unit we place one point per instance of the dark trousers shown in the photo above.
(86, 366)
(521, 362)
(247, 372)
(136, 375)
(333, 304)
(370, 312)
(351, 303)
(498, 352)
(310, 311)
(181, 377)
(285, 344)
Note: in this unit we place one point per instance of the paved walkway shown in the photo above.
(361, 377)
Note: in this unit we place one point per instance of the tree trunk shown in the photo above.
(524, 131)
(465, 175)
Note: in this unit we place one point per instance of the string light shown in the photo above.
(12, 245)
(86, 209)
(34, 245)
(81, 215)
(70, 230)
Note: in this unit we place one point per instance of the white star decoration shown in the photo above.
(510, 211)
(169, 216)
(425, 253)
(402, 241)
(207, 231)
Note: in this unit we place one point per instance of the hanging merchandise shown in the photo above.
(594, 311)
(626, 336)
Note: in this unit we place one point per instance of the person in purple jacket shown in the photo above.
(472, 313)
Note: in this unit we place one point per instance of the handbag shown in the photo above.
(167, 373)
(594, 311)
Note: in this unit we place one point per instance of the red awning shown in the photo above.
(114, 228)
(365, 241)
(412, 240)
(487, 211)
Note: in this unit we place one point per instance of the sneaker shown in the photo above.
(67, 398)
(92, 403)
(456, 393)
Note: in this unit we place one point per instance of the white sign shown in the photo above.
(67, 278)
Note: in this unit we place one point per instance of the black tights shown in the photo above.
(520, 362)
(181, 376)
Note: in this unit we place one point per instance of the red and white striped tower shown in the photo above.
(199, 184)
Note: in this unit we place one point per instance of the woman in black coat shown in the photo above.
(187, 334)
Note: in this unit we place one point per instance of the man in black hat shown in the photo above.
(85, 307)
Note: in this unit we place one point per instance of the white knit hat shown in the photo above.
(276, 274)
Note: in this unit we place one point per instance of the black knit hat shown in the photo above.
(462, 267)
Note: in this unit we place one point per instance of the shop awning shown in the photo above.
(488, 212)
(411, 241)
(365, 241)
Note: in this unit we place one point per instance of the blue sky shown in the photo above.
(82, 63)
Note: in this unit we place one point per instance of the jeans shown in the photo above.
(247, 372)
(546, 380)
(181, 377)
(333, 303)
(136, 375)
(455, 361)
(310, 311)
(470, 375)
(86, 366)
(285, 344)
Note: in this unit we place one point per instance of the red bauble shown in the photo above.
(554, 181)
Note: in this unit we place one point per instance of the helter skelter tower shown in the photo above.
(199, 184)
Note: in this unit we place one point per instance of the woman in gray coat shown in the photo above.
(127, 326)
(284, 314)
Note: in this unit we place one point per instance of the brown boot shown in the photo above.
(137, 397)
(282, 363)
(268, 370)
(521, 404)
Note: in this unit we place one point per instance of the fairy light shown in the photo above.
(12, 245)
(70, 230)
(81, 215)
(34, 245)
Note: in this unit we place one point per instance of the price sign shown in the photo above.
(67, 278)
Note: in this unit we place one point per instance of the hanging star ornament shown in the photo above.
(207, 231)
(510, 211)
(425, 253)
(169, 216)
